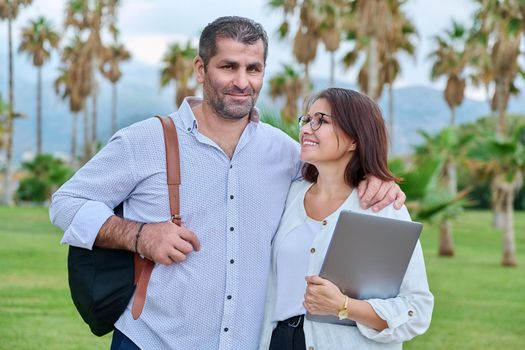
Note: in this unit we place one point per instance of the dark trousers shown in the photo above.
(289, 335)
(121, 342)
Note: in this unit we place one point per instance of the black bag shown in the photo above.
(102, 281)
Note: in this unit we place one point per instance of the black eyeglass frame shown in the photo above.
(315, 121)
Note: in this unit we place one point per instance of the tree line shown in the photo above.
(377, 33)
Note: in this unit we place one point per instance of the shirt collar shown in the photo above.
(188, 118)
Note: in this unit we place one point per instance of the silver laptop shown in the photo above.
(368, 257)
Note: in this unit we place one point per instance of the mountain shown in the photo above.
(140, 97)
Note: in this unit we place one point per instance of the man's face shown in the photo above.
(233, 78)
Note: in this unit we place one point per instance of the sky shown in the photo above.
(148, 26)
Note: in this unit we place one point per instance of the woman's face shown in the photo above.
(328, 143)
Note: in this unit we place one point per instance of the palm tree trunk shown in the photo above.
(113, 108)
(497, 202)
(499, 194)
(391, 116)
(86, 146)
(74, 130)
(306, 73)
(373, 69)
(487, 96)
(446, 244)
(332, 68)
(509, 245)
(8, 200)
(500, 91)
(306, 81)
(452, 116)
(39, 112)
(451, 165)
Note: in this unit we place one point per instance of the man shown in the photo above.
(208, 287)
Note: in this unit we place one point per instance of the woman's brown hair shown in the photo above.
(360, 118)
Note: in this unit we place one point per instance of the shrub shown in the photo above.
(46, 174)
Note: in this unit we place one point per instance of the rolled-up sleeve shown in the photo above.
(83, 204)
(408, 314)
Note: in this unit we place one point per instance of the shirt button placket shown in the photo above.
(231, 255)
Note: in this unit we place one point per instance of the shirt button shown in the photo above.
(231, 228)
(325, 222)
(231, 196)
(232, 261)
(226, 329)
(231, 166)
(189, 129)
(312, 250)
(229, 297)
(310, 348)
(410, 313)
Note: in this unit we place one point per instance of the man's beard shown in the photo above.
(231, 110)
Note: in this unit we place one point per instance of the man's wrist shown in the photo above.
(137, 237)
(117, 233)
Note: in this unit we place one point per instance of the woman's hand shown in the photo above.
(322, 297)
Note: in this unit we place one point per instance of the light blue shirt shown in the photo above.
(214, 299)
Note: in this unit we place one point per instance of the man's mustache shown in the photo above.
(237, 91)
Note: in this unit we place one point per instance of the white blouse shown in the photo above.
(292, 267)
(407, 315)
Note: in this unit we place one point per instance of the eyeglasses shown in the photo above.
(315, 121)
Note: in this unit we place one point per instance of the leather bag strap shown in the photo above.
(144, 267)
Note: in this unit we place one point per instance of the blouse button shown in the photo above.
(325, 222)
(312, 250)
(410, 313)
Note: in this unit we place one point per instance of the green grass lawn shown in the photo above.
(479, 304)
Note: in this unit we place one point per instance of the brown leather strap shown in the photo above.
(144, 267)
(173, 171)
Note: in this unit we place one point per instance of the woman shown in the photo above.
(343, 139)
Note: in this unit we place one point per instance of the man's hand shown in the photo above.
(163, 243)
(166, 243)
(377, 194)
(322, 297)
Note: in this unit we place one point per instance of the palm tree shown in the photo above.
(501, 25)
(481, 64)
(450, 60)
(332, 15)
(452, 147)
(112, 56)
(9, 10)
(89, 18)
(370, 22)
(380, 29)
(502, 22)
(287, 83)
(308, 32)
(502, 160)
(178, 65)
(38, 39)
(64, 88)
(421, 183)
(4, 110)
(400, 38)
(74, 83)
